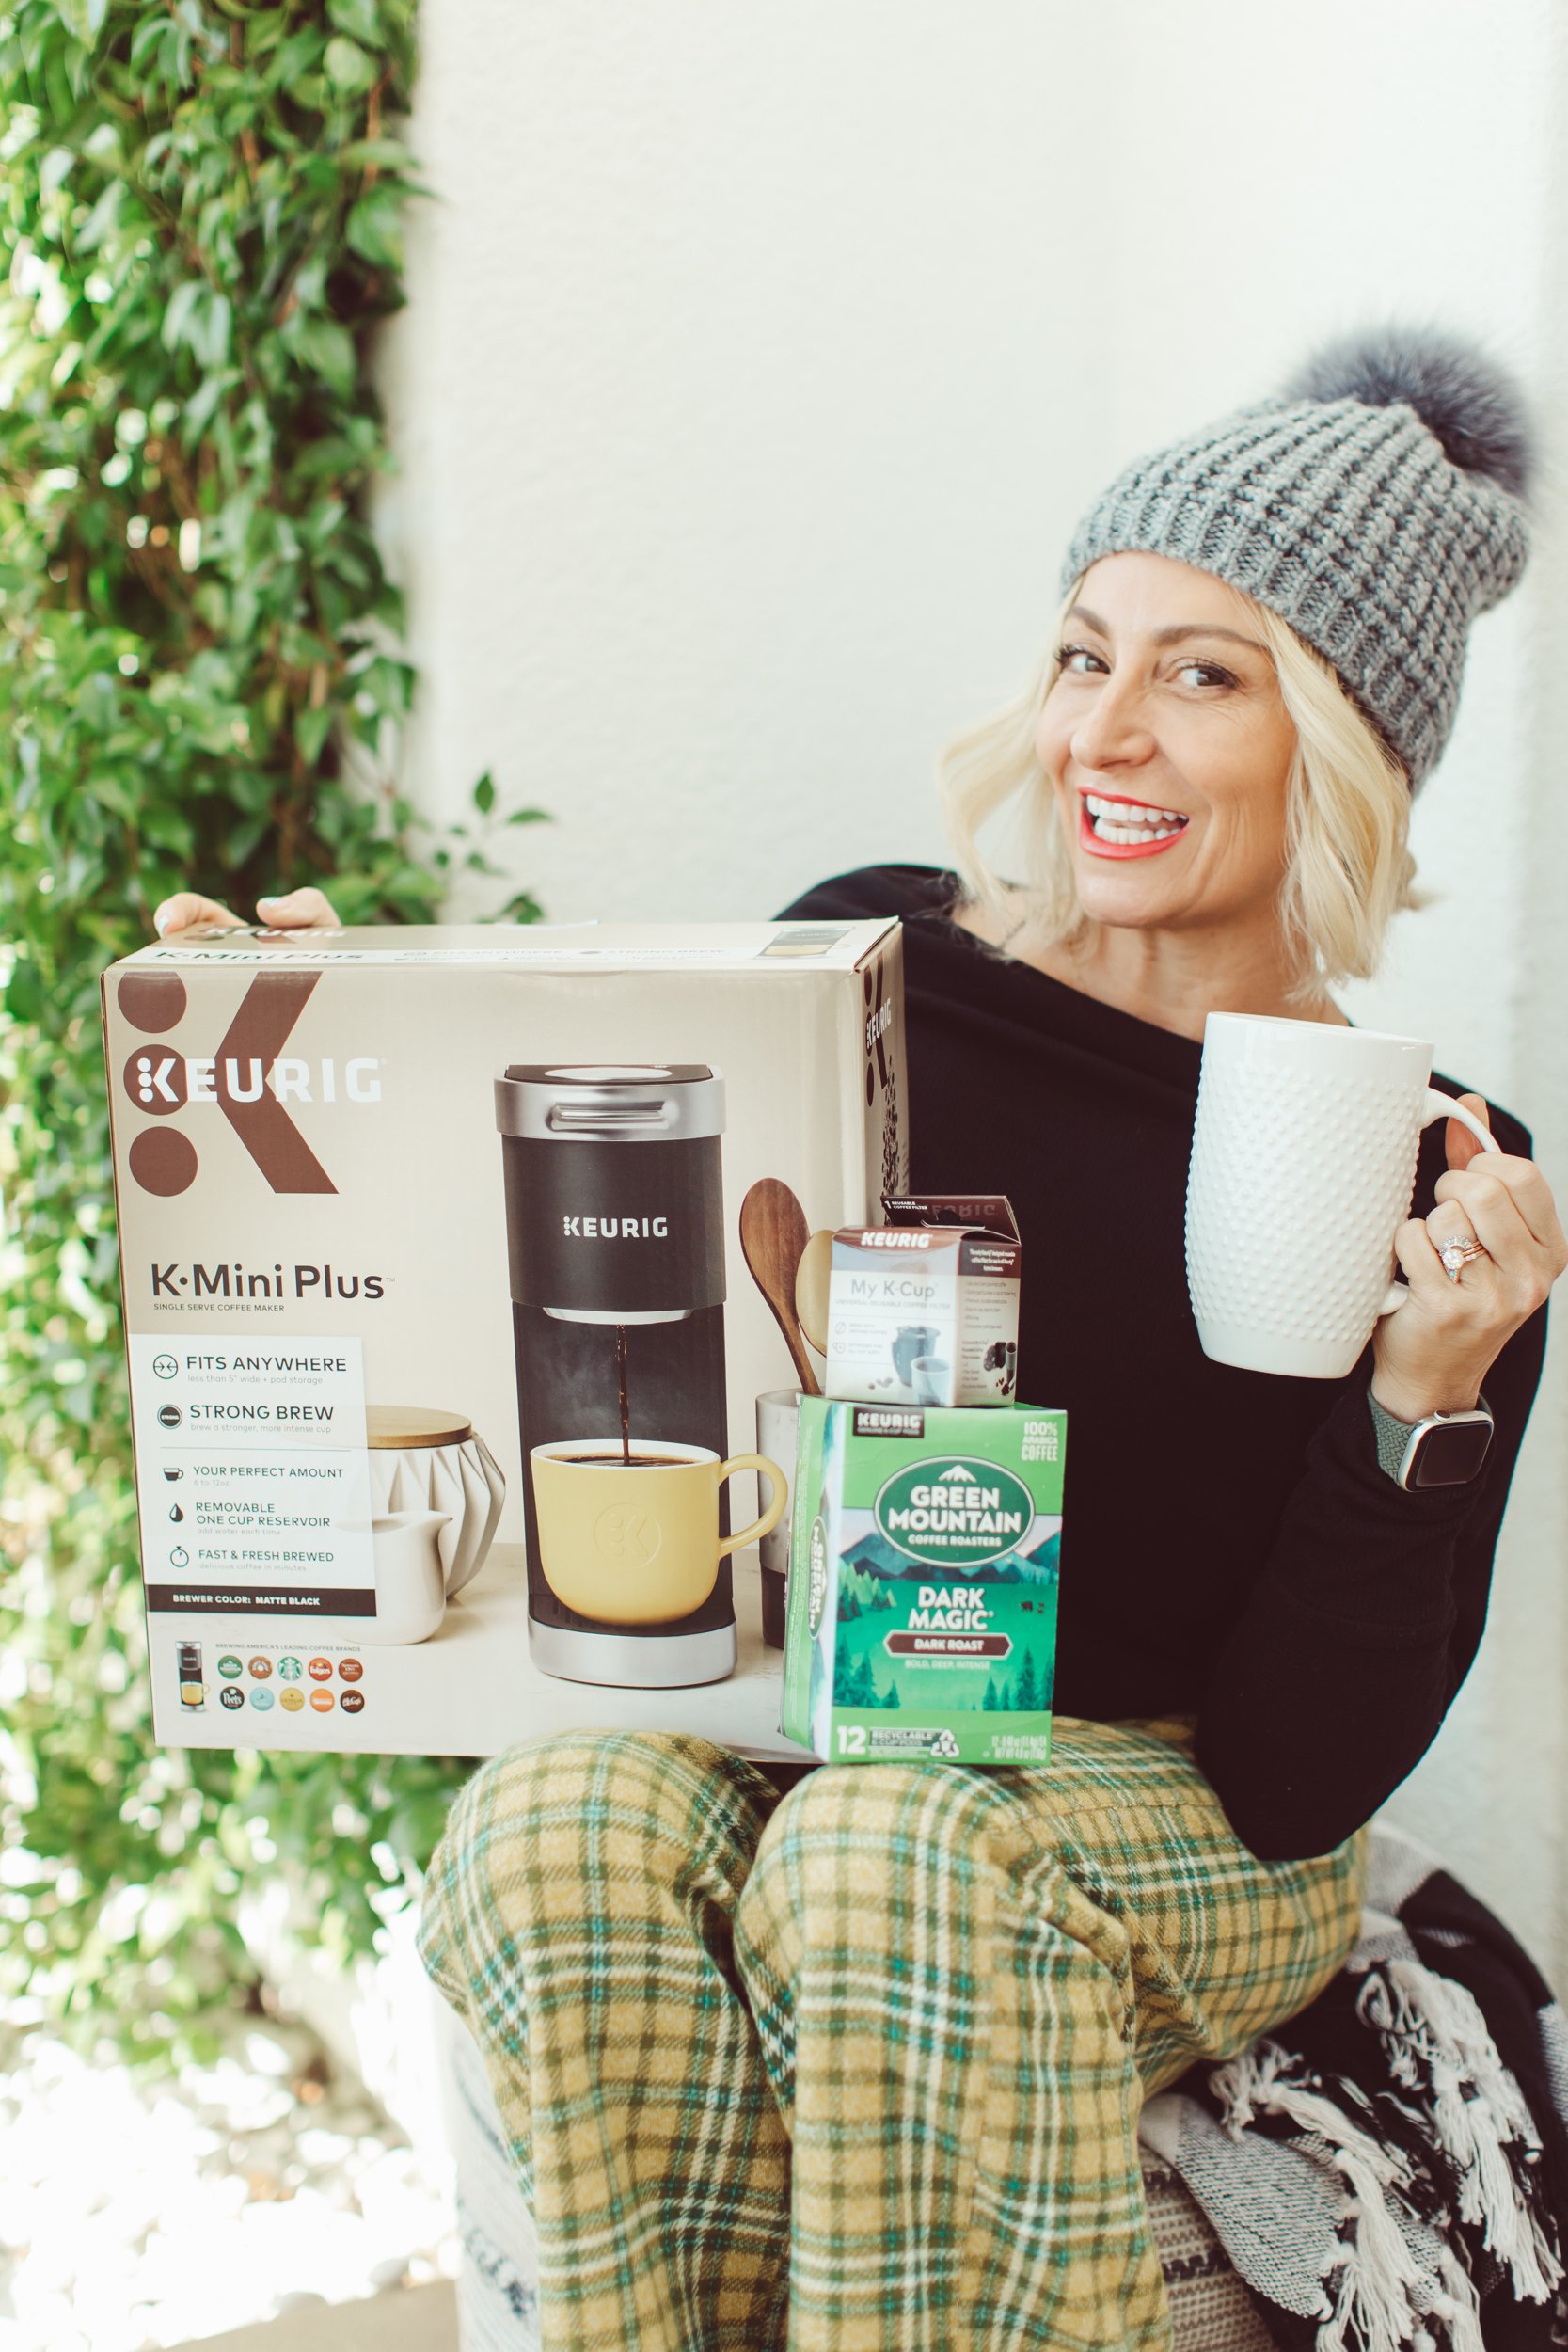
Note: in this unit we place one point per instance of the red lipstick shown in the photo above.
(1089, 840)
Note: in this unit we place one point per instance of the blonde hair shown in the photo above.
(1348, 864)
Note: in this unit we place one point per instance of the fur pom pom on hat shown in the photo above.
(1376, 504)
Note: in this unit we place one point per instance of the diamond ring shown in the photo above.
(1458, 1253)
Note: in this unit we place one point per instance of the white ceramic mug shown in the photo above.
(1303, 1162)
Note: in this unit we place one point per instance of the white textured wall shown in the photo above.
(758, 362)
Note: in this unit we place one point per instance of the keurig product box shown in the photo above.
(455, 1262)
(923, 1563)
(922, 1309)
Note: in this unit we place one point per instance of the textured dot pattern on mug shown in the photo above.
(1273, 1208)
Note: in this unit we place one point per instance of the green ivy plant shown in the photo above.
(201, 684)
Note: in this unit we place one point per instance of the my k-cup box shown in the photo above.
(924, 1555)
(454, 1263)
(922, 1309)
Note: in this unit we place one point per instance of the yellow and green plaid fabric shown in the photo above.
(857, 2068)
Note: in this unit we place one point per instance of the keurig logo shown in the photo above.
(615, 1227)
(250, 1078)
(627, 1536)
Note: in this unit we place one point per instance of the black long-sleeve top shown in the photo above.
(1230, 1549)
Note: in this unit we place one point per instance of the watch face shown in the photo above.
(1451, 1454)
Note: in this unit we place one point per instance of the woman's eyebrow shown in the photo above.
(1170, 636)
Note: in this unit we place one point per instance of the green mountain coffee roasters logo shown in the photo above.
(955, 1512)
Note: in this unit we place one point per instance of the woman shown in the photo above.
(857, 2062)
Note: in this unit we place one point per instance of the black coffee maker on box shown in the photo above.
(615, 1233)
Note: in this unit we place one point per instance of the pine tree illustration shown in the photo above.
(857, 1689)
(990, 1701)
(1028, 1697)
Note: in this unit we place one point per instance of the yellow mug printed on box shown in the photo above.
(638, 1543)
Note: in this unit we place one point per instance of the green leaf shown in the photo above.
(328, 347)
(311, 730)
(209, 335)
(522, 906)
(375, 229)
(181, 308)
(359, 18)
(348, 68)
(485, 793)
(101, 221)
(82, 19)
(386, 155)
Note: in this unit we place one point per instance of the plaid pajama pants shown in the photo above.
(857, 2067)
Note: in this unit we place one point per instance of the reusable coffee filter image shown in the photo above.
(615, 1236)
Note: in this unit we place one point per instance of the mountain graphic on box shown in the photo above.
(875, 1556)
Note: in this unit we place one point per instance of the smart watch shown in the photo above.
(1443, 1450)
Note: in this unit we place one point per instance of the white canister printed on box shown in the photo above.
(424, 1460)
(1303, 1164)
(778, 1439)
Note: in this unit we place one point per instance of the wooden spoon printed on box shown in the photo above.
(813, 1278)
(774, 1236)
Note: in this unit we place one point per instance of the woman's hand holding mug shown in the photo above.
(1433, 1355)
(299, 909)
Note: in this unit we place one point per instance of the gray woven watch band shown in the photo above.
(1392, 1437)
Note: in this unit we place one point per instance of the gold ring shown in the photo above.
(1456, 1254)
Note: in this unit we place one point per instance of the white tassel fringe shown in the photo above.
(1380, 2294)
(1431, 2022)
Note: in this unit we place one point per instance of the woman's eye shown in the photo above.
(1082, 662)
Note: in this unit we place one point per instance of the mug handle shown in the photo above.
(1440, 1106)
(778, 1496)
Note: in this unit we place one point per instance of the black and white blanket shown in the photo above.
(1388, 2171)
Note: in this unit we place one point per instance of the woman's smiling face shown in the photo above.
(1168, 747)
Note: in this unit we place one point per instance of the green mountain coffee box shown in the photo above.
(921, 1614)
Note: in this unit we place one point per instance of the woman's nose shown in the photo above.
(1115, 730)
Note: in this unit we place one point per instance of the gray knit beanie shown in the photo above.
(1376, 504)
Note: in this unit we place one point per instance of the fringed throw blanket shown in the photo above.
(1388, 2170)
